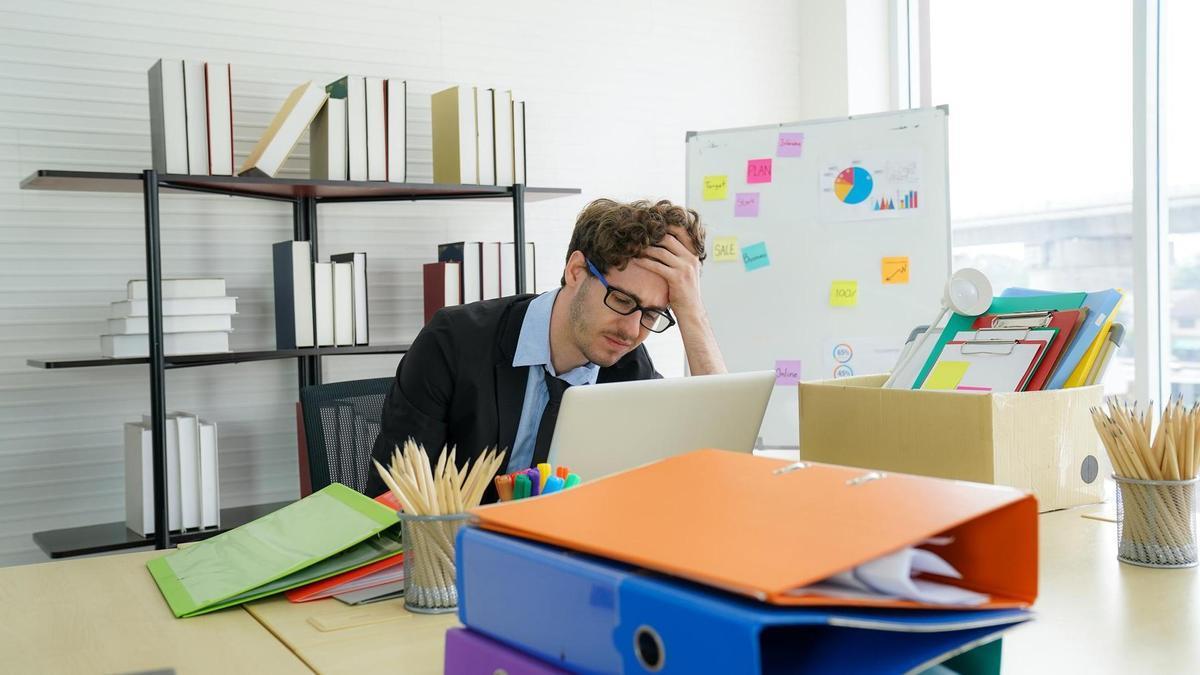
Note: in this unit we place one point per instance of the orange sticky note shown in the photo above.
(895, 270)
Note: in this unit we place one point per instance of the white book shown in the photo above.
(327, 142)
(174, 344)
(472, 272)
(397, 131)
(210, 477)
(171, 446)
(176, 306)
(293, 286)
(504, 137)
(188, 443)
(455, 158)
(138, 289)
(323, 303)
(196, 105)
(343, 304)
(376, 129)
(352, 88)
(219, 95)
(139, 479)
(508, 266)
(362, 334)
(519, 162)
(490, 268)
(293, 118)
(168, 117)
(198, 323)
(486, 146)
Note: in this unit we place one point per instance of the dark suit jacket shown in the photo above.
(457, 386)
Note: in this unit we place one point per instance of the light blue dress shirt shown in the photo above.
(533, 351)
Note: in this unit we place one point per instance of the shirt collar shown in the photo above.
(533, 345)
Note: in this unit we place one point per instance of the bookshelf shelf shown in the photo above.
(304, 196)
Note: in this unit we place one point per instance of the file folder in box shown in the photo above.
(588, 615)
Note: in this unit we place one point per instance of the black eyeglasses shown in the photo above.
(654, 320)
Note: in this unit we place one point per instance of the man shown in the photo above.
(491, 373)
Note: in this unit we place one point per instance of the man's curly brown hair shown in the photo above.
(611, 233)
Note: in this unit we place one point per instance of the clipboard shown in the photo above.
(985, 366)
(1066, 321)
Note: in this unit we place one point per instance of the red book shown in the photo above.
(441, 287)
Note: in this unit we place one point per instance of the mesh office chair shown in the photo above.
(341, 423)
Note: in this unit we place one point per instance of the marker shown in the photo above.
(504, 488)
(562, 472)
(553, 484)
(572, 481)
(521, 486)
(543, 470)
(535, 482)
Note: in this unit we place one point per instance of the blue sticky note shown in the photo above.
(755, 257)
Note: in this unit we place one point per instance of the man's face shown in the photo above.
(603, 335)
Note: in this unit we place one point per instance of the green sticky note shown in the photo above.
(946, 375)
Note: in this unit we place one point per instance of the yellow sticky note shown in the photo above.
(844, 294)
(946, 375)
(895, 270)
(715, 188)
(725, 249)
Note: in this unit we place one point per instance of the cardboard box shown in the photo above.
(1041, 441)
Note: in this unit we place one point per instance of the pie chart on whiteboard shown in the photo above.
(853, 185)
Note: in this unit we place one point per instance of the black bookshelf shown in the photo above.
(304, 196)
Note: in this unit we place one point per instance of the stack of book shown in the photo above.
(469, 271)
(193, 485)
(191, 117)
(319, 304)
(478, 137)
(197, 319)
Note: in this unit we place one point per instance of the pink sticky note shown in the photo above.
(745, 205)
(758, 171)
(791, 144)
(787, 373)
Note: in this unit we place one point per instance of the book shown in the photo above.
(219, 96)
(441, 287)
(174, 344)
(168, 117)
(138, 289)
(323, 303)
(468, 254)
(294, 116)
(292, 262)
(139, 481)
(503, 136)
(198, 323)
(187, 442)
(454, 154)
(376, 129)
(365, 596)
(508, 266)
(327, 142)
(171, 449)
(397, 130)
(353, 90)
(490, 270)
(175, 306)
(210, 478)
(343, 303)
(362, 327)
(196, 109)
(486, 135)
(519, 162)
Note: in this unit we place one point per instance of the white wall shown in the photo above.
(612, 88)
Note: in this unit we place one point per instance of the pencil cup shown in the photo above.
(1156, 522)
(429, 572)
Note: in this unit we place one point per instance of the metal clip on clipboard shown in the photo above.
(1022, 320)
(1011, 344)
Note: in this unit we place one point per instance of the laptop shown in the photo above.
(606, 428)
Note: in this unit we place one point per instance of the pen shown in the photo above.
(535, 482)
(553, 484)
(562, 472)
(544, 472)
(572, 480)
(521, 486)
(504, 487)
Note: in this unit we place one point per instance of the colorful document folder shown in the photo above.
(326, 533)
(588, 615)
(1081, 353)
(763, 528)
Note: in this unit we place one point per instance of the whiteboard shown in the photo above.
(821, 211)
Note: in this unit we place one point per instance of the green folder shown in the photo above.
(297, 544)
(1001, 305)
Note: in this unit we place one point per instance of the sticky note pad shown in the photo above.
(787, 373)
(758, 171)
(844, 294)
(895, 270)
(745, 205)
(946, 375)
(715, 188)
(725, 249)
(791, 144)
(755, 257)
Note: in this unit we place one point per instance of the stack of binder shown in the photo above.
(713, 562)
